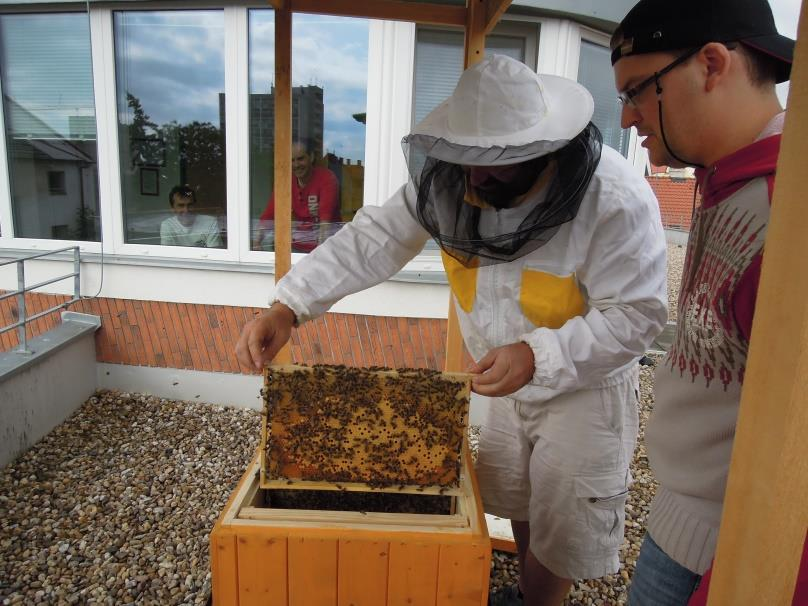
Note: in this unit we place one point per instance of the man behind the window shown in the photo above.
(315, 204)
(185, 227)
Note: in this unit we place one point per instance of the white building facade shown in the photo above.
(136, 97)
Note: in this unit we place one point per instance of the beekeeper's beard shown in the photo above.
(503, 194)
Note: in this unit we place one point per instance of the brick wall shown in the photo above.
(203, 337)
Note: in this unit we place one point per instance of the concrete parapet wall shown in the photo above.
(40, 390)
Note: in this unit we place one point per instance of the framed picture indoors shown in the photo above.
(149, 181)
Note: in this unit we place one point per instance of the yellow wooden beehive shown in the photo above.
(434, 550)
(281, 557)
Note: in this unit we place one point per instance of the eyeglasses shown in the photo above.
(627, 96)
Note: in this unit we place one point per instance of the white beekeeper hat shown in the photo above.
(506, 113)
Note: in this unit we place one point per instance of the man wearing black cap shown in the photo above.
(699, 85)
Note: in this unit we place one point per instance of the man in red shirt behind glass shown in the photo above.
(315, 203)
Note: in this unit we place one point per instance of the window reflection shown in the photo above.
(49, 115)
(186, 227)
(329, 97)
(171, 122)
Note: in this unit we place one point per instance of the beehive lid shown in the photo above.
(357, 429)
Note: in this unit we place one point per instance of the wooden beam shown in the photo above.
(494, 9)
(506, 545)
(454, 340)
(765, 515)
(392, 10)
(284, 484)
(283, 151)
(355, 518)
(474, 49)
(474, 43)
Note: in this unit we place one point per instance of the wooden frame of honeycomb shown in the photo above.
(343, 428)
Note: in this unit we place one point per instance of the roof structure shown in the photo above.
(675, 196)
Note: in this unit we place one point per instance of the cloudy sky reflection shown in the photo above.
(173, 61)
(330, 52)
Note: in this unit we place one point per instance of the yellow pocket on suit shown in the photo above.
(462, 280)
(548, 300)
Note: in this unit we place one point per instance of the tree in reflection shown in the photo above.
(191, 153)
(140, 120)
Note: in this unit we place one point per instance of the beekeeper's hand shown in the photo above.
(262, 338)
(503, 370)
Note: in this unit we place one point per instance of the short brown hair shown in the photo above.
(183, 191)
(761, 67)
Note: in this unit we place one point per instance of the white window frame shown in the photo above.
(635, 153)
(9, 237)
(391, 58)
(6, 216)
(108, 161)
(106, 106)
(391, 70)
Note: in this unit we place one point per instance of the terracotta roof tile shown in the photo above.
(675, 198)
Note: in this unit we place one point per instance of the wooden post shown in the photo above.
(474, 46)
(765, 515)
(283, 150)
(474, 50)
(493, 13)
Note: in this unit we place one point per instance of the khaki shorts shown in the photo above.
(563, 466)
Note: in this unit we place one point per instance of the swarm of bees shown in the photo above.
(375, 426)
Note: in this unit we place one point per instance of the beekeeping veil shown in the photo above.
(500, 114)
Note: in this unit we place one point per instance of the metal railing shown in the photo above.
(23, 319)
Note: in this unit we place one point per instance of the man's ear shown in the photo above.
(716, 60)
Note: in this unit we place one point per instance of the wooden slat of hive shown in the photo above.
(341, 428)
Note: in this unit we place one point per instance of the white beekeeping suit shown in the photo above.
(570, 262)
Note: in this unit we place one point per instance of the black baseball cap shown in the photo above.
(661, 25)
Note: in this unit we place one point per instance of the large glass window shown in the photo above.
(595, 73)
(46, 73)
(171, 126)
(329, 100)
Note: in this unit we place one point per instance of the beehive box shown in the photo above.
(361, 493)
(341, 428)
(295, 557)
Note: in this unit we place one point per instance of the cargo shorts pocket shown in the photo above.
(601, 511)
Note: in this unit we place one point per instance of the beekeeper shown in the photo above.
(555, 254)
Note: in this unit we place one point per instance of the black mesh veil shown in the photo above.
(484, 235)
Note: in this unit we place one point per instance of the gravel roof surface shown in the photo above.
(116, 504)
